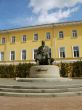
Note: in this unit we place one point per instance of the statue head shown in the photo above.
(43, 43)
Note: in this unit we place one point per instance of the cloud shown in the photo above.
(56, 16)
(44, 11)
(46, 5)
(60, 9)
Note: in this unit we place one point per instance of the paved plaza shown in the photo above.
(29, 103)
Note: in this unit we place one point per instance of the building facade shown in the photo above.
(20, 45)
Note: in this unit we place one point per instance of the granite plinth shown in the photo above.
(45, 71)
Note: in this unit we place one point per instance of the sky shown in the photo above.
(22, 13)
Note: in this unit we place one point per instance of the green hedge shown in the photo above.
(22, 70)
(71, 69)
(12, 71)
(77, 69)
(7, 71)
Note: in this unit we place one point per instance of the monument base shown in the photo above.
(44, 71)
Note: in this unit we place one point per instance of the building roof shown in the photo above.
(42, 26)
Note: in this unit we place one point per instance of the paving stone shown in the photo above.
(29, 103)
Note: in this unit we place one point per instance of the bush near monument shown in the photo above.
(12, 71)
(22, 70)
(71, 69)
(7, 71)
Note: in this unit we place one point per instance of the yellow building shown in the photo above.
(64, 40)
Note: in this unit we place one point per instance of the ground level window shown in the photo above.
(12, 55)
(1, 56)
(76, 51)
(50, 52)
(62, 52)
(35, 53)
(23, 54)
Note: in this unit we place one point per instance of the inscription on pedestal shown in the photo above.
(40, 70)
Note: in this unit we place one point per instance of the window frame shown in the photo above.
(73, 51)
(1, 58)
(48, 37)
(22, 54)
(13, 41)
(35, 36)
(60, 51)
(60, 34)
(50, 52)
(74, 34)
(11, 56)
(33, 52)
(23, 38)
(4, 40)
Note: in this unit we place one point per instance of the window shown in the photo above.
(76, 51)
(48, 35)
(23, 54)
(1, 56)
(62, 52)
(74, 33)
(50, 52)
(34, 53)
(24, 38)
(61, 35)
(35, 36)
(3, 40)
(13, 39)
(12, 55)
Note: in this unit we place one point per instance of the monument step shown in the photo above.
(78, 93)
(43, 86)
(42, 79)
(60, 90)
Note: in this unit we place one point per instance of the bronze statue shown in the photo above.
(43, 57)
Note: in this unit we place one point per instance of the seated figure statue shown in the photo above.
(43, 57)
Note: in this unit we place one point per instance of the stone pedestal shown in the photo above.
(44, 71)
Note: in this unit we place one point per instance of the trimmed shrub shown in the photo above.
(71, 69)
(63, 70)
(12, 71)
(7, 71)
(22, 70)
(77, 69)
